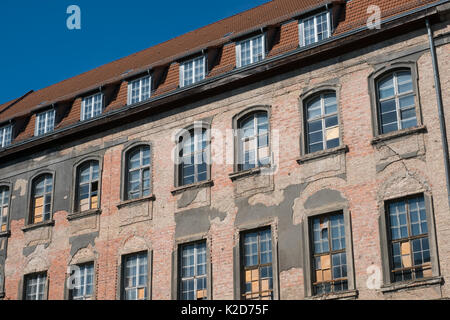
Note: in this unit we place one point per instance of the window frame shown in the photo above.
(130, 87)
(195, 277)
(3, 130)
(84, 297)
(200, 125)
(122, 265)
(124, 169)
(193, 60)
(301, 28)
(36, 177)
(237, 119)
(308, 249)
(78, 168)
(252, 59)
(375, 77)
(386, 256)
(47, 116)
(8, 205)
(27, 277)
(83, 103)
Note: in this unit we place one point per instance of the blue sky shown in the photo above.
(37, 49)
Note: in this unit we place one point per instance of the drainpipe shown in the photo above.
(437, 85)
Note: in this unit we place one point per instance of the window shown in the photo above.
(138, 172)
(42, 191)
(5, 136)
(253, 133)
(4, 208)
(409, 245)
(45, 122)
(92, 106)
(322, 125)
(88, 186)
(193, 272)
(315, 29)
(192, 71)
(139, 90)
(257, 265)
(396, 102)
(250, 51)
(193, 155)
(329, 254)
(36, 286)
(135, 277)
(83, 281)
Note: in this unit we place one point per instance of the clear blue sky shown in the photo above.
(37, 49)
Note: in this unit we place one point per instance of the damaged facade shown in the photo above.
(357, 205)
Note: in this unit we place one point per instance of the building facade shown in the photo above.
(292, 151)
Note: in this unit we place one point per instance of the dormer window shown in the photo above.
(5, 136)
(192, 71)
(92, 106)
(314, 29)
(250, 51)
(139, 90)
(45, 122)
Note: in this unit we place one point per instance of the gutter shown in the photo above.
(437, 86)
(234, 75)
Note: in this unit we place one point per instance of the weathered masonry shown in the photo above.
(332, 183)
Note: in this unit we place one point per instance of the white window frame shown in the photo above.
(182, 65)
(47, 128)
(83, 295)
(83, 115)
(3, 130)
(301, 27)
(140, 80)
(238, 49)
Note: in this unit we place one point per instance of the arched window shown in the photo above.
(138, 172)
(322, 124)
(42, 193)
(87, 186)
(253, 140)
(4, 208)
(193, 155)
(396, 101)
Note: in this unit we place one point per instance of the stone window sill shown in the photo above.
(412, 284)
(397, 134)
(198, 185)
(78, 215)
(245, 173)
(322, 154)
(5, 234)
(133, 201)
(38, 225)
(351, 294)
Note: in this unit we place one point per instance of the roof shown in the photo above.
(211, 35)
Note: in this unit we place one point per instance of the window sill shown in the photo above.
(198, 185)
(397, 134)
(322, 154)
(133, 201)
(250, 172)
(78, 215)
(5, 234)
(336, 295)
(38, 225)
(412, 284)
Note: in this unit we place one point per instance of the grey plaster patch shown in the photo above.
(82, 241)
(289, 235)
(187, 198)
(324, 197)
(195, 221)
